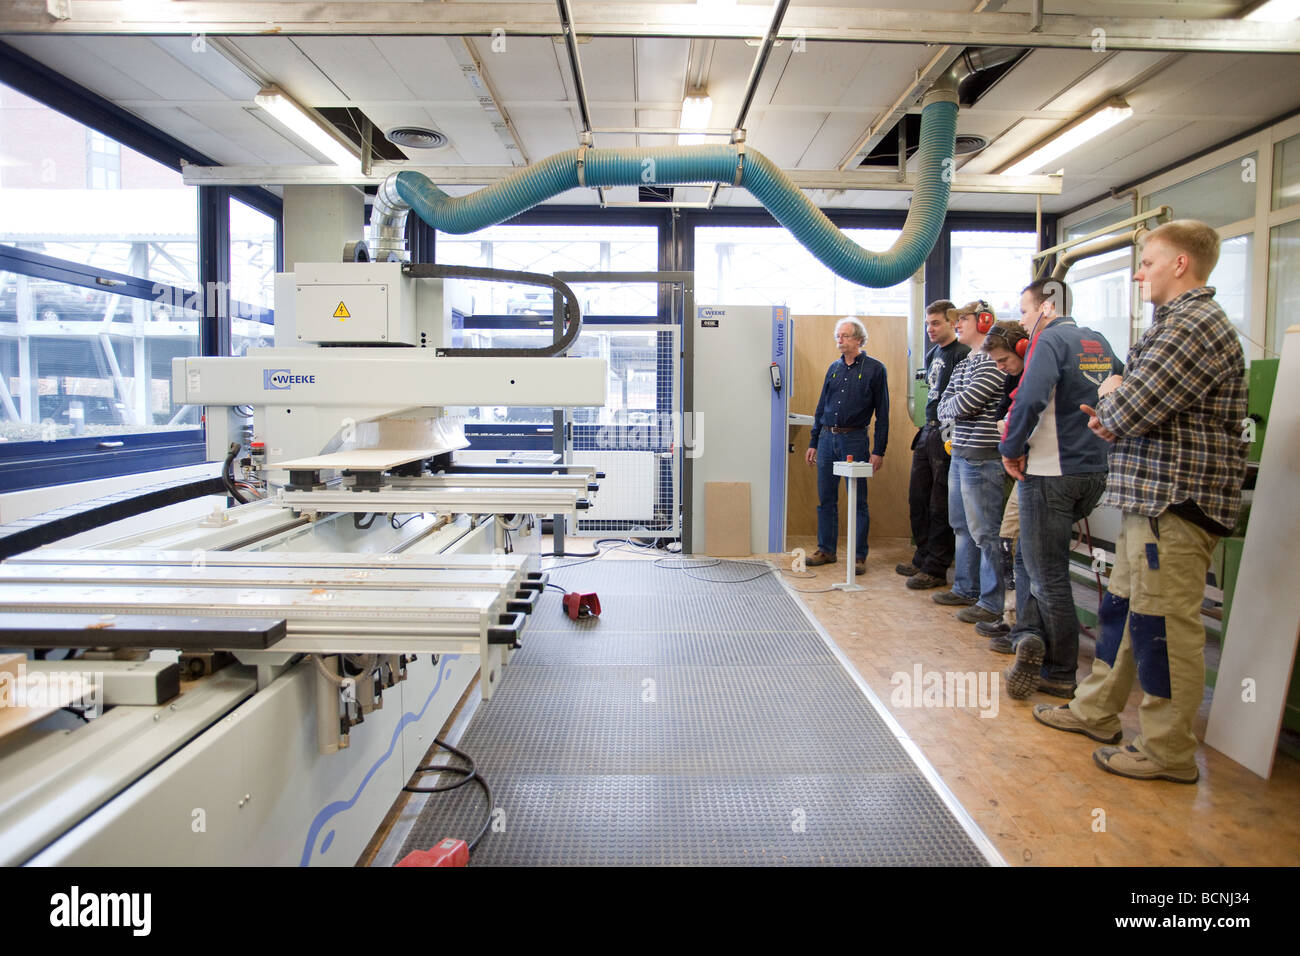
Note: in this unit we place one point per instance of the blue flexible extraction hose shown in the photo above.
(682, 165)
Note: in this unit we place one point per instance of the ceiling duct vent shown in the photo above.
(350, 122)
(968, 144)
(417, 137)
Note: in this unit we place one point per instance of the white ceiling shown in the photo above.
(811, 108)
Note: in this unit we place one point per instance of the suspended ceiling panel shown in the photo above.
(810, 109)
(1037, 80)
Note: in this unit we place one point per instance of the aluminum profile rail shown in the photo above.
(439, 500)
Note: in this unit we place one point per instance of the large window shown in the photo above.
(70, 192)
(252, 278)
(993, 266)
(1283, 280)
(504, 315)
(98, 257)
(549, 249)
(1221, 196)
(765, 265)
(1102, 290)
(1286, 173)
(1103, 285)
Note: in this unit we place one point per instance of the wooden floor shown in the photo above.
(1036, 792)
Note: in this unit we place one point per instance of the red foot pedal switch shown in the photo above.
(448, 852)
(581, 605)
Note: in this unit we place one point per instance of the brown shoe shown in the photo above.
(1063, 718)
(1131, 762)
(860, 567)
(819, 557)
(922, 581)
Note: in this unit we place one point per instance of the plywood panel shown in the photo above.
(814, 350)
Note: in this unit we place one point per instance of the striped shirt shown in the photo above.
(971, 400)
(1178, 416)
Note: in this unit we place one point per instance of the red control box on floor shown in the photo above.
(581, 605)
(446, 852)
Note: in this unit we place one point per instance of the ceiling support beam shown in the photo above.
(1081, 31)
(485, 175)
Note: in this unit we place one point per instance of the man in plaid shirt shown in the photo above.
(1176, 469)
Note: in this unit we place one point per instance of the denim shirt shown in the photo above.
(850, 394)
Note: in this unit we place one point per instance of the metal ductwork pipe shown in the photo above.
(734, 164)
(974, 60)
(1109, 244)
(386, 236)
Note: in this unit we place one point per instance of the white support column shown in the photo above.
(319, 221)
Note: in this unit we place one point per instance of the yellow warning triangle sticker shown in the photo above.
(342, 312)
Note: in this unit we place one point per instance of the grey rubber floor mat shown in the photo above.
(693, 723)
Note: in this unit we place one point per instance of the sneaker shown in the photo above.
(1063, 718)
(906, 570)
(1131, 762)
(1001, 643)
(860, 566)
(922, 581)
(1057, 688)
(977, 615)
(951, 599)
(998, 628)
(819, 557)
(1022, 677)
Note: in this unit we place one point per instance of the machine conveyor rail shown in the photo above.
(184, 633)
(204, 575)
(279, 559)
(489, 480)
(439, 500)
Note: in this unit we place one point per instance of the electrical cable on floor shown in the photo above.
(571, 564)
(715, 562)
(468, 774)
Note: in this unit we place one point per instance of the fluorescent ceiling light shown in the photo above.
(1275, 11)
(697, 110)
(294, 118)
(1111, 113)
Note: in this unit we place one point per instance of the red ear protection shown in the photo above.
(1022, 347)
(984, 318)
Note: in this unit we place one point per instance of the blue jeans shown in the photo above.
(975, 513)
(1049, 507)
(830, 449)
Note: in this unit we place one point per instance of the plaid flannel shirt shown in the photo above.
(1178, 416)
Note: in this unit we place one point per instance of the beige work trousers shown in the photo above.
(1150, 628)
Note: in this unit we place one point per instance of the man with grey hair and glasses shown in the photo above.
(855, 389)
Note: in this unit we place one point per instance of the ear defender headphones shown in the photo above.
(1022, 347)
(984, 318)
